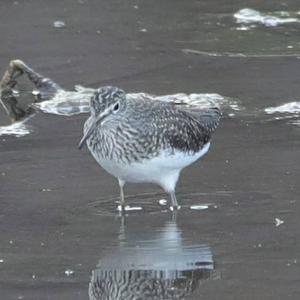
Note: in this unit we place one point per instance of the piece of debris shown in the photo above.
(59, 24)
(69, 272)
(278, 222)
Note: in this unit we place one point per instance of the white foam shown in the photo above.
(129, 208)
(291, 107)
(251, 16)
(17, 129)
(68, 103)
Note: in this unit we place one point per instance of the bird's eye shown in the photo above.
(116, 107)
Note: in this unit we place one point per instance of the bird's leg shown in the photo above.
(174, 215)
(122, 198)
(174, 203)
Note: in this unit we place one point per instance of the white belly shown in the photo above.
(163, 169)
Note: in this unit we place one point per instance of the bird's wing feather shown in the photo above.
(209, 118)
(187, 129)
(169, 126)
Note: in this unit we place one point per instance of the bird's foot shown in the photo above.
(121, 208)
(175, 207)
(126, 208)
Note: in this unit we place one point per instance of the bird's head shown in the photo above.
(106, 103)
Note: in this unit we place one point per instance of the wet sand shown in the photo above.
(57, 204)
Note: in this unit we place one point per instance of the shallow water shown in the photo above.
(236, 234)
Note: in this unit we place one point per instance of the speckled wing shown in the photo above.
(193, 128)
(168, 126)
(154, 126)
(208, 118)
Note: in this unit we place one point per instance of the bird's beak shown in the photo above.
(95, 123)
(87, 134)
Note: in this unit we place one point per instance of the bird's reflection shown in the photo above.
(156, 265)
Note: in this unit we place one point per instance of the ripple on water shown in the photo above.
(245, 33)
(156, 203)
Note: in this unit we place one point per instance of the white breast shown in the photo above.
(163, 169)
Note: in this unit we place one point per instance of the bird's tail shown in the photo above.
(210, 118)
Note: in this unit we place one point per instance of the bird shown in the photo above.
(144, 140)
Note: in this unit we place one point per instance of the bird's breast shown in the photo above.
(154, 169)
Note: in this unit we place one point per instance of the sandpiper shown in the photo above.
(145, 140)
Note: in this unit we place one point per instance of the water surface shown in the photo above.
(62, 237)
